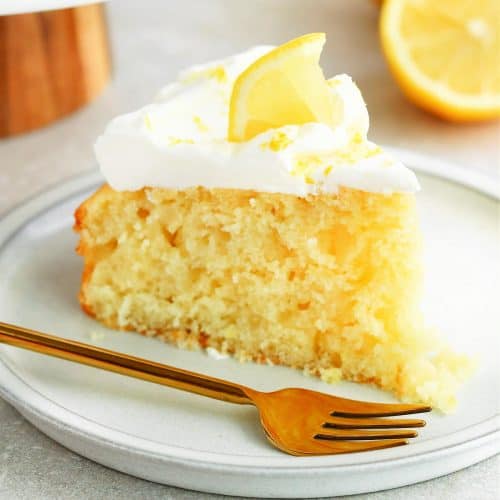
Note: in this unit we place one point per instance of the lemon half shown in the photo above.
(445, 54)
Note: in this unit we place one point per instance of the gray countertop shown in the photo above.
(152, 41)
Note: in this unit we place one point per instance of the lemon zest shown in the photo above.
(373, 152)
(357, 138)
(333, 82)
(200, 124)
(277, 142)
(173, 141)
(147, 122)
(217, 73)
(306, 163)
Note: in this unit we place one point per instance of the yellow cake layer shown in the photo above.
(328, 284)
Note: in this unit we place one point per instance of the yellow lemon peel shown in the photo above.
(286, 86)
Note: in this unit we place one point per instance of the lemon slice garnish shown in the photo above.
(286, 86)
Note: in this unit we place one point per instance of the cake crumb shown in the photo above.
(95, 335)
(149, 195)
(215, 354)
(330, 375)
(230, 332)
(122, 238)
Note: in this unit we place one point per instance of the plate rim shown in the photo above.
(12, 221)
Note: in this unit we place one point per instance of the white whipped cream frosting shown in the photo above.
(180, 141)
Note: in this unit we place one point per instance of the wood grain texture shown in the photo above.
(51, 63)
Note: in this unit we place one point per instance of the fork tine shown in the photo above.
(348, 434)
(372, 423)
(352, 408)
(336, 447)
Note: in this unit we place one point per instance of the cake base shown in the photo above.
(328, 284)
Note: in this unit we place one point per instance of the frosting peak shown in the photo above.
(180, 141)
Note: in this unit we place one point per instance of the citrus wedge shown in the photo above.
(445, 54)
(286, 86)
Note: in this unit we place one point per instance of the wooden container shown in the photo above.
(51, 63)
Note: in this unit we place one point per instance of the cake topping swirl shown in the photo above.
(181, 140)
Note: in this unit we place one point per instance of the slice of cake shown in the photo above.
(246, 211)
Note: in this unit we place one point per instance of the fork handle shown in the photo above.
(126, 365)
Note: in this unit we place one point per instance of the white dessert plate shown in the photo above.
(189, 441)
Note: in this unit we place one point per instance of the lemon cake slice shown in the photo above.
(245, 211)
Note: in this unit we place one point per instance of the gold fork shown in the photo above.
(297, 421)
